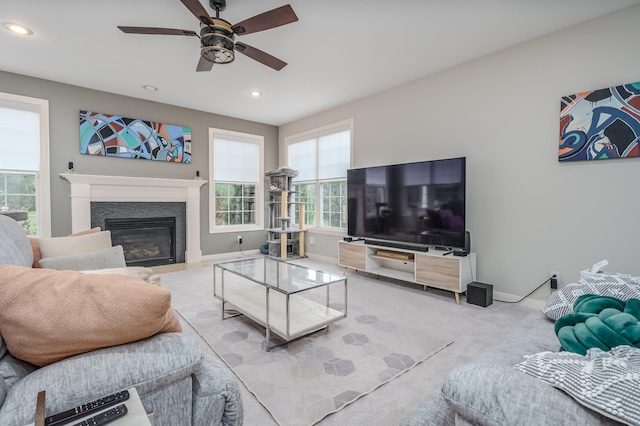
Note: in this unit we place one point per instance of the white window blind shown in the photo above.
(333, 155)
(235, 161)
(302, 157)
(19, 137)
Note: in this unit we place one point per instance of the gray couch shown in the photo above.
(168, 371)
(490, 391)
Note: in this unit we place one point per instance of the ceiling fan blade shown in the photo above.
(204, 65)
(198, 11)
(260, 56)
(274, 18)
(153, 30)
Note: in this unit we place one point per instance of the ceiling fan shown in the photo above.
(217, 36)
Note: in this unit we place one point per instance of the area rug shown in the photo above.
(303, 381)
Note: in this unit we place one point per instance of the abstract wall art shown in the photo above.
(114, 136)
(600, 124)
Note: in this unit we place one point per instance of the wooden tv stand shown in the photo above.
(428, 269)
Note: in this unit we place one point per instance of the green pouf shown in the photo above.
(599, 322)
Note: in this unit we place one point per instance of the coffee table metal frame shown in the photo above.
(279, 283)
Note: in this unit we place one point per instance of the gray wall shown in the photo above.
(528, 214)
(65, 102)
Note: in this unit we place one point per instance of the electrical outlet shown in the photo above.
(555, 277)
(239, 239)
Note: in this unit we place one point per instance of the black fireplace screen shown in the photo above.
(145, 241)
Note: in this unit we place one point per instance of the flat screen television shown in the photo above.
(417, 205)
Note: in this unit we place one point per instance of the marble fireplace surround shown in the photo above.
(88, 188)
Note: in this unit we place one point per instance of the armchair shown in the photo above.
(167, 369)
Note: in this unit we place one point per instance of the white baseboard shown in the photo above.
(237, 254)
(230, 255)
(321, 258)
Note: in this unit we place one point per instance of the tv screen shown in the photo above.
(419, 203)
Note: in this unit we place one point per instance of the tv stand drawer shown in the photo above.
(352, 256)
(443, 272)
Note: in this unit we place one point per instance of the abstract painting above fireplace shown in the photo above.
(114, 136)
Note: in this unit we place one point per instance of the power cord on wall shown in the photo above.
(534, 290)
(552, 279)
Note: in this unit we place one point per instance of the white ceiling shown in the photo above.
(338, 51)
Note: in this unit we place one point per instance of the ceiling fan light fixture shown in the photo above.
(217, 42)
(218, 54)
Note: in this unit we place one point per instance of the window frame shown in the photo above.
(315, 134)
(43, 178)
(259, 193)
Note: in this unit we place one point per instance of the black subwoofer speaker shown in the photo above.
(480, 294)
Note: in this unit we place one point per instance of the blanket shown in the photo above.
(602, 322)
(606, 382)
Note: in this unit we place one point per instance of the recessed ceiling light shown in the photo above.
(256, 93)
(17, 28)
(150, 88)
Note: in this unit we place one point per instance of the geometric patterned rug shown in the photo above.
(303, 381)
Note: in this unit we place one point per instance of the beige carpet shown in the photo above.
(305, 380)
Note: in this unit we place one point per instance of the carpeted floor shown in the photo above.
(395, 334)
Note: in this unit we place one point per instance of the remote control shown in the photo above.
(106, 417)
(85, 409)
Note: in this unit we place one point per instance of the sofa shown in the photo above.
(167, 368)
(492, 391)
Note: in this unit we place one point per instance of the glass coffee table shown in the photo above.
(288, 300)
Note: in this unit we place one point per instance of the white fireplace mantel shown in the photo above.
(88, 188)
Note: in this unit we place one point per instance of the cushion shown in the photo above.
(112, 257)
(64, 246)
(620, 286)
(606, 382)
(602, 322)
(14, 243)
(48, 315)
(35, 244)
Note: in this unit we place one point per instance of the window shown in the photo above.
(322, 158)
(24, 162)
(236, 189)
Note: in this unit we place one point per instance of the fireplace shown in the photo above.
(86, 190)
(133, 215)
(145, 241)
